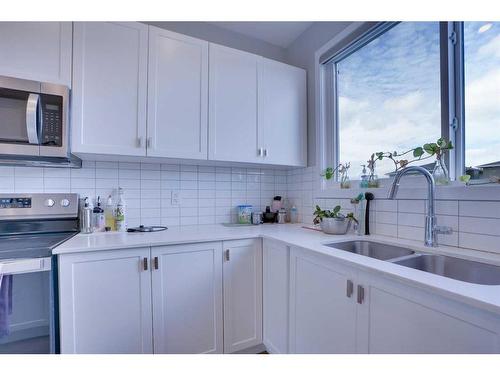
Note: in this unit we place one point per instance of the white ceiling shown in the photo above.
(280, 34)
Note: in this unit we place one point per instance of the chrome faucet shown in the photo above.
(431, 228)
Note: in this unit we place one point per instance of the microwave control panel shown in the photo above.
(52, 115)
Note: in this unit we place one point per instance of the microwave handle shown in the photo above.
(31, 118)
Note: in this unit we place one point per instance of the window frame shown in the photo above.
(452, 96)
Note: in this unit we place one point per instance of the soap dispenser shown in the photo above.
(363, 181)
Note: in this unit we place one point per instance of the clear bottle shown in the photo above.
(120, 213)
(99, 219)
(363, 181)
(294, 215)
(440, 172)
(109, 214)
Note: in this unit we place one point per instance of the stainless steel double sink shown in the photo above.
(454, 268)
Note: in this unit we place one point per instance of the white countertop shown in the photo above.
(483, 296)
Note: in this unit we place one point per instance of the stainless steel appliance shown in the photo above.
(31, 225)
(34, 123)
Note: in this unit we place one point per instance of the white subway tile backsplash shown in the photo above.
(480, 225)
(475, 224)
(479, 209)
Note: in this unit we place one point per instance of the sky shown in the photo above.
(389, 94)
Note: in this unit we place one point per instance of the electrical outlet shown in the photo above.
(175, 198)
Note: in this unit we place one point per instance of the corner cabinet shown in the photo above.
(38, 51)
(276, 272)
(105, 302)
(257, 110)
(282, 113)
(109, 88)
(177, 95)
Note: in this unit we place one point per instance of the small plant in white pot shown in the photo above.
(332, 221)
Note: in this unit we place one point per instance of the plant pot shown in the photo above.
(335, 225)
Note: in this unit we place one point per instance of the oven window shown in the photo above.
(25, 313)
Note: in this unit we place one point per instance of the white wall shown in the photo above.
(214, 34)
(301, 53)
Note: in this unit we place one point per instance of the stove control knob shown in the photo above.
(49, 202)
(65, 202)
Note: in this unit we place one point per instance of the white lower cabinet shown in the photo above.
(338, 309)
(276, 266)
(105, 302)
(187, 298)
(242, 294)
(403, 319)
(322, 306)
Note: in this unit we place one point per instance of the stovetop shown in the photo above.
(31, 246)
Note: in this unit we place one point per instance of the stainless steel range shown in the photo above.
(31, 225)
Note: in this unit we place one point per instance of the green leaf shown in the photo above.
(441, 142)
(449, 146)
(430, 148)
(336, 210)
(418, 152)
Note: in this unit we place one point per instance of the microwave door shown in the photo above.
(54, 117)
(19, 123)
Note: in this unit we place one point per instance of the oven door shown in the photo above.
(27, 321)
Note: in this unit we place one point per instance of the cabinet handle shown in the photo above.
(155, 263)
(140, 142)
(265, 152)
(226, 255)
(150, 142)
(259, 151)
(350, 288)
(145, 264)
(361, 294)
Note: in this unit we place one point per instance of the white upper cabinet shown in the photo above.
(39, 51)
(177, 95)
(109, 88)
(282, 113)
(233, 131)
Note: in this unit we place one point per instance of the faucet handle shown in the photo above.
(443, 230)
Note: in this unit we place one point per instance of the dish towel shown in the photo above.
(5, 303)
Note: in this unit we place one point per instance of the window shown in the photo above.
(482, 94)
(400, 85)
(388, 94)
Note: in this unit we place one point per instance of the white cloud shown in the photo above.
(490, 49)
(409, 102)
(485, 28)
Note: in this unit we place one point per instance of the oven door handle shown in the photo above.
(31, 118)
(25, 265)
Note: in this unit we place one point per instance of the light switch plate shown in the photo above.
(175, 198)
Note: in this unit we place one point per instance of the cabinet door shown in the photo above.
(105, 302)
(276, 265)
(242, 294)
(177, 95)
(187, 298)
(407, 320)
(233, 131)
(322, 314)
(39, 51)
(109, 88)
(282, 113)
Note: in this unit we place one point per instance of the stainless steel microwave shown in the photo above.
(33, 118)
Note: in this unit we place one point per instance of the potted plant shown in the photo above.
(329, 172)
(332, 221)
(428, 150)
